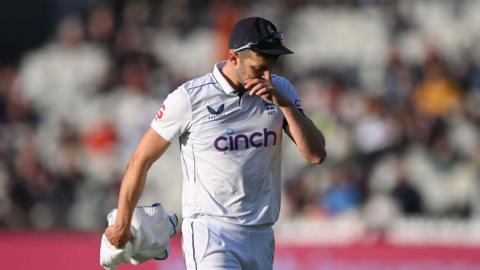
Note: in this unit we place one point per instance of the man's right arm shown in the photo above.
(150, 148)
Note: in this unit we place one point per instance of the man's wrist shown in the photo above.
(281, 100)
(286, 104)
(122, 226)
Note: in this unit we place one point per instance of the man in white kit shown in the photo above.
(229, 123)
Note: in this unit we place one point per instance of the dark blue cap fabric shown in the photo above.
(260, 33)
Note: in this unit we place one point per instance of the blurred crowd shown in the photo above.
(394, 85)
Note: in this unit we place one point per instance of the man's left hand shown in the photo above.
(265, 90)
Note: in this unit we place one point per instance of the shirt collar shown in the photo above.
(227, 88)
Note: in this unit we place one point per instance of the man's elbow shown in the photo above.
(138, 161)
(318, 157)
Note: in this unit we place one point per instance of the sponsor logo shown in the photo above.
(235, 142)
(269, 107)
(297, 103)
(218, 113)
(160, 112)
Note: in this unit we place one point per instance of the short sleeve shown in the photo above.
(284, 85)
(174, 115)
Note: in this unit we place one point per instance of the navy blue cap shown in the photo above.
(257, 34)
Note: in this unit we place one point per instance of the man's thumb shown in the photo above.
(267, 76)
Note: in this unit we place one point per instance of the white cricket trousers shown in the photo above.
(209, 244)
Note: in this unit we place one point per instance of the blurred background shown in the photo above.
(394, 86)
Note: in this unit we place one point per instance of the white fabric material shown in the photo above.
(151, 228)
(230, 148)
(211, 244)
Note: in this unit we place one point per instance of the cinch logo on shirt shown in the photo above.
(234, 142)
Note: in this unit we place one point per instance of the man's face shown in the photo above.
(252, 65)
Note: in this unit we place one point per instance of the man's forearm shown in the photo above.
(131, 189)
(308, 138)
(150, 148)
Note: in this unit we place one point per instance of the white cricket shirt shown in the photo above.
(230, 148)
